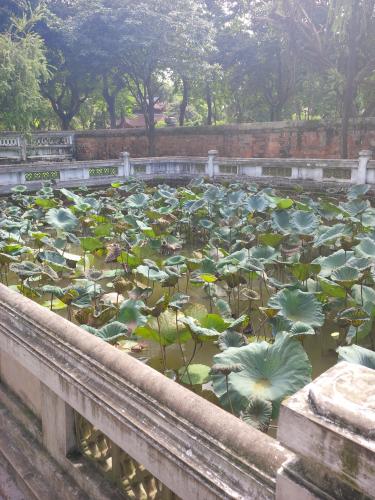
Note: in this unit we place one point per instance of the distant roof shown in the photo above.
(138, 121)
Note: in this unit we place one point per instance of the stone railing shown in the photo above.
(103, 172)
(150, 438)
(46, 146)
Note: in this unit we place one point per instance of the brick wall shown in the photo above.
(255, 140)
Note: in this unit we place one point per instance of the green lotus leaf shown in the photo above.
(332, 289)
(297, 306)
(52, 259)
(284, 203)
(230, 338)
(103, 230)
(240, 322)
(359, 333)
(355, 207)
(208, 278)
(130, 314)
(360, 263)
(265, 254)
(151, 273)
(270, 372)
(198, 332)
(45, 202)
(302, 271)
(332, 262)
(346, 276)
(90, 244)
(109, 333)
(19, 189)
(365, 296)
(357, 355)
(61, 218)
(257, 203)
(223, 307)
(176, 260)
(55, 305)
(357, 191)
(258, 413)
(195, 374)
(366, 248)
(164, 330)
(233, 259)
(280, 221)
(271, 239)
(214, 321)
(299, 329)
(139, 200)
(196, 311)
(27, 268)
(304, 222)
(331, 234)
(178, 301)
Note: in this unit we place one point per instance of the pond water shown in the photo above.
(265, 283)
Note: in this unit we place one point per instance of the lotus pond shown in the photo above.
(239, 293)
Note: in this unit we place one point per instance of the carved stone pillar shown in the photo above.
(330, 426)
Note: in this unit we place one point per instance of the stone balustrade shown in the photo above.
(66, 396)
(101, 172)
(42, 146)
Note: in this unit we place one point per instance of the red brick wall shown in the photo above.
(258, 140)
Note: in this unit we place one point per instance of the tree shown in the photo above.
(337, 36)
(22, 67)
(71, 82)
(159, 37)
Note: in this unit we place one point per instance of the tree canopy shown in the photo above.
(96, 63)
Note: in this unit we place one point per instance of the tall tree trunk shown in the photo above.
(350, 85)
(150, 123)
(111, 104)
(209, 105)
(65, 121)
(110, 100)
(184, 102)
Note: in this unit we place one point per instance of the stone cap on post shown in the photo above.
(330, 426)
(125, 157)
(212, 155)
(364, 157)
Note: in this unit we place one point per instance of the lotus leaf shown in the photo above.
(230, 338)
(164, 330)
(61, 218)
(304, 222)
(195, 374)
(109, 333)
(258, 413)
(357, 355)
(298, 306)
(270, 372)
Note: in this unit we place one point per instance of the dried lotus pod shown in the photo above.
(114, 251)
(82, 315)
(121, 285)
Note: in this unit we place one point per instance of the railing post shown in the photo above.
(329, 425)
(126, 164)
(212, 157)
(57, 425)
(364, 157)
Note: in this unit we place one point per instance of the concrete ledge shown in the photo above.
(35, 472)
(195, 448)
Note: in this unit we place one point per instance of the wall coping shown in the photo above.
(133, 403)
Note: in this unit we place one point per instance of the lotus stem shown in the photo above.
(180, 346)
(162, 350)
(191, 359)
(227, 386)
